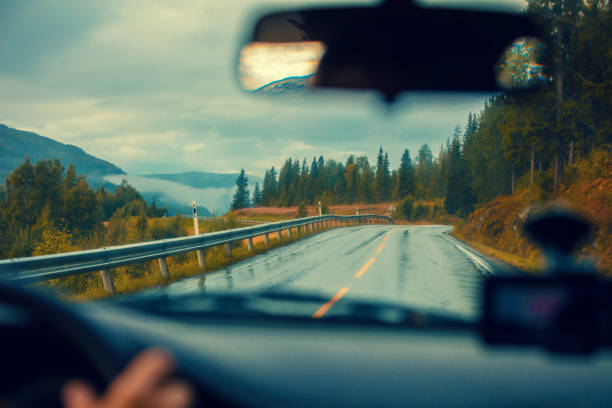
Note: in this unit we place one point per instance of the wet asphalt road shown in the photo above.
(415, 266)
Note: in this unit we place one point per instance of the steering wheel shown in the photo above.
(74, 333)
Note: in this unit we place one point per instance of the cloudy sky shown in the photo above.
(151, 86)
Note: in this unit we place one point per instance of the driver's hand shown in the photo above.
(141, 384)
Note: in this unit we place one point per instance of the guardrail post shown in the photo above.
(250, 244)
(267, 238)
(280, 235)
(228, 249)
(107, 280)
(163, 268)
(289, 233)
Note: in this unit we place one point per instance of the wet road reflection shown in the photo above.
(413, 265)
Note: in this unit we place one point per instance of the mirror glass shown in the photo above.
(269, 67)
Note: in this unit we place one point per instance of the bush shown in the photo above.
(437, 212)
(421, 212)
(169, 227)
(326, 201)
(404, 208)
(301, 213)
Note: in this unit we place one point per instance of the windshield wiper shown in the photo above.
(290, 305)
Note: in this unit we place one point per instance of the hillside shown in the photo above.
(16, 144)
(497, 224)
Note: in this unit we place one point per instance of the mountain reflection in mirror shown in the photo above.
(279, 67)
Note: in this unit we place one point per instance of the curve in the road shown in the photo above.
(415, 266)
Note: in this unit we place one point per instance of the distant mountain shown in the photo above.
(201, 179)
(16, 144)
(212, 191)
(296, 83)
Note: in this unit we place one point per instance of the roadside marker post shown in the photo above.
(196, 231)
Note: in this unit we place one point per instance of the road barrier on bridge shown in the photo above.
(39, 268)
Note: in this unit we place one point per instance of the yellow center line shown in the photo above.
(323, 309)
(365, 267)
(382, 245)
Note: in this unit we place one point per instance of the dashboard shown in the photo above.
(279, 363)
(286, 362)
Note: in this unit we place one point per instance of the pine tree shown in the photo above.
(386, 178)
(380, 182)
(365, 191)
(458, 197)
(424, 173)
(351, 177)
(256, 196)
(405, 176)
(241, 195)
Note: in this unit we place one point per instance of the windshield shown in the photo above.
(123, 123)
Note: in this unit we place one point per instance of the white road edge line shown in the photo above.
(479, 262)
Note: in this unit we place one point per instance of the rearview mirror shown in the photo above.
(390, 48)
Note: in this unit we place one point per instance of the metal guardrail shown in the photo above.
(38, 268)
